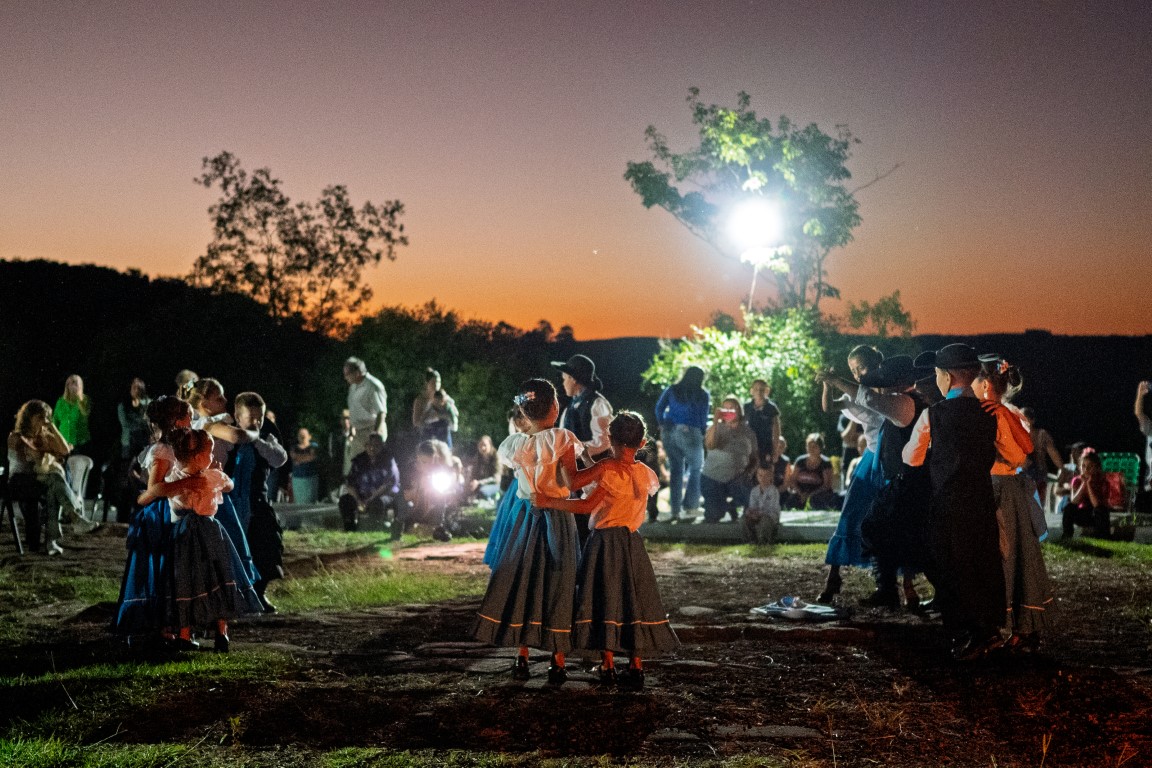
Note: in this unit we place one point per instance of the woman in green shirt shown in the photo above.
(71, 414)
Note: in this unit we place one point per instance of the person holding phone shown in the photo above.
(729, 464)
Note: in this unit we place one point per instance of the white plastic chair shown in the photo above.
(78, 468)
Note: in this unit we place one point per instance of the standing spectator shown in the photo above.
(763, 416)
(731, 459)
(652, 455)
(340, 444)
(682, 413)
(71, 414)
(367, 404)
(135, 434)
(305, 455)
(434, 413)
(373, 484)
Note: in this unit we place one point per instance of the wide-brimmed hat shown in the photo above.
(581, 368)
(949, 357)
(897, 371)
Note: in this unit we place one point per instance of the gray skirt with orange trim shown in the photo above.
(1027, 589)
(532, 587)
(618, 607)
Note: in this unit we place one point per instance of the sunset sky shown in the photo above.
(1021, 130)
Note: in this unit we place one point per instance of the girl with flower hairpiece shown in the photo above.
(530, 594)
(1027, 590)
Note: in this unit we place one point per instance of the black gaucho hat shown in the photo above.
(898, 371)
(581, 368)
(949, 357)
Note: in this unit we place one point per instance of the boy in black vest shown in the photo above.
(965, 536)
(587, 415)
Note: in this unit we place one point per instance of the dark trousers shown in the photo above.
(350, 511)
(1096, 518)
(723, 498)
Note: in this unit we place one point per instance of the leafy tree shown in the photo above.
(301, 260)
(741, 155)
(784, 348)
(882, 316)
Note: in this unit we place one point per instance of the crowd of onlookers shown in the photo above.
(727, 461)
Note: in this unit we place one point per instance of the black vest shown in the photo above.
(893, 439)
(578, 415)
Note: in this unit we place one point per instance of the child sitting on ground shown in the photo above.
(762, 515)
(618, 607)
(212, 585)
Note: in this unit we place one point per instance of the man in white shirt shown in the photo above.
(367, 404)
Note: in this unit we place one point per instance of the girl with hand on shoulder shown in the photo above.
(618, 608)
(210, 583)
(529, 596)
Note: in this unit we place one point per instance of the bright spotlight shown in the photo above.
(755, 224)
(441, 482)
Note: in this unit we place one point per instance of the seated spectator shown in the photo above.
(762, 515)
(373, 484)
(1062, 488)
(861, 446)
(812, 478)
(652, 455)
(1088, 502)
(484, 471)
(35, 452)
(434, 491)
(305, 457)
(731, 458)
(783, 467)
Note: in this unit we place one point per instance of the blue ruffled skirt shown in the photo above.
(509, 518)
(846, 547)
(146, 590)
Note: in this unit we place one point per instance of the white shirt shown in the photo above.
(869, 419)
(535, 459)
(366, 400)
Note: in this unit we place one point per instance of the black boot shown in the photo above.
(831, 587)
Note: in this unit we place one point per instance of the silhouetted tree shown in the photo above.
(303, 259)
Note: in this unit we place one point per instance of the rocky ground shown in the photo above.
(874, 688)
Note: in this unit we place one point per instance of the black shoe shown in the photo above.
(607, 675)
(268, 607)
(520, 669)
(633, 679)
(911, 600)
(222, 643)
(881, 599)
(975, 649)
(557, 675)
(832, 586)
(183, 644)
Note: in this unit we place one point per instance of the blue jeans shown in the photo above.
(724, 498)
(684, 446)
